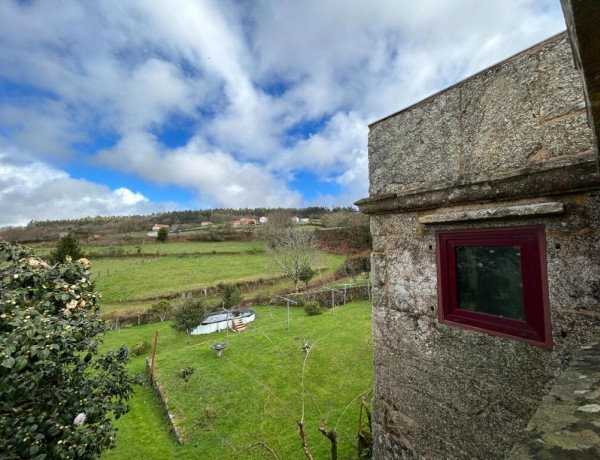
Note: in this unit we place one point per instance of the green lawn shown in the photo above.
(252, 394)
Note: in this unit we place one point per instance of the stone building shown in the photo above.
(485, 214)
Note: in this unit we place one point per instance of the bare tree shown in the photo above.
(291, 251)
(280, 218)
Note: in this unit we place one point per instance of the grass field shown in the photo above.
(253, 393)
(168, 248)
(132, 282)
(131, 279)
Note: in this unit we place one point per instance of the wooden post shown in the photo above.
(152, 359)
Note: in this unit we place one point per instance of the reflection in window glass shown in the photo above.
(489, 280)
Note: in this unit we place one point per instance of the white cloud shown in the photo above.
(217, 178)
(245, 74)
(32, 190)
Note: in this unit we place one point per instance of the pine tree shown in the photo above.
(67, 246)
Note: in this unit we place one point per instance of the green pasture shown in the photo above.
(166, 248)
(253, 394)
(134, 279)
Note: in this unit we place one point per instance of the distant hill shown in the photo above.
(124, 229)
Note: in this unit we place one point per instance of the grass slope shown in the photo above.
(252, 394)
(201, 247)
(138, 279)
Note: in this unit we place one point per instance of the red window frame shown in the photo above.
(535, 328)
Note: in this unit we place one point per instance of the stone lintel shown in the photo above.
(575, 174)
(495, 212)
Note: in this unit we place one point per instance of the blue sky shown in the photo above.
(121, 107)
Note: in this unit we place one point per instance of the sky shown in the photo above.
(118, 107)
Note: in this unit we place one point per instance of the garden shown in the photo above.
(250, 402)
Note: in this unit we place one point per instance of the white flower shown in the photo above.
(84, 261)
(80, 419)
(16, 276)
(72, 304)
(34, 262)
(305, 346)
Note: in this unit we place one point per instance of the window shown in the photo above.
(494, 280)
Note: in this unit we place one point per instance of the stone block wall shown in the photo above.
(525, 114)
(507, 147)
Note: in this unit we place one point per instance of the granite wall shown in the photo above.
(509, 146)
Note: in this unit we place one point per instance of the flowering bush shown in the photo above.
(58, 394)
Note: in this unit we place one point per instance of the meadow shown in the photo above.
(133, 282)
(253, 394)
(154, 248)
(135, 279)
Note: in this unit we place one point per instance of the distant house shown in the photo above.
(263, 220)
(205, 224)
(152, 234)
(157, 227)
(300, 220)
(243, 221)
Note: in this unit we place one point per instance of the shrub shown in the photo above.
(162, 235)
(313, 308)
(140, 348)
(161, 309)
(59, 395)
(186, 374)
(231, 295)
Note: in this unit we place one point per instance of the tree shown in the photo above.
(306, 275)
(189, 315)
(66, 247)
(162, 309)
(280, 218)
(59, 395)
(291, 251)
(231, 295)
(162, 234)
(353, 266)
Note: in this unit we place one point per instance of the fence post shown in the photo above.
(153, 355)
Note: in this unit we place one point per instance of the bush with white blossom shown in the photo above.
(58, 393)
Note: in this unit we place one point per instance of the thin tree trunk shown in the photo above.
(332, 436)
(304, 441)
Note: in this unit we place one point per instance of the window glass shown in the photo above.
(489, 280)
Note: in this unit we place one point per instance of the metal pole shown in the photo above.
(153, 355)
(332, 302)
